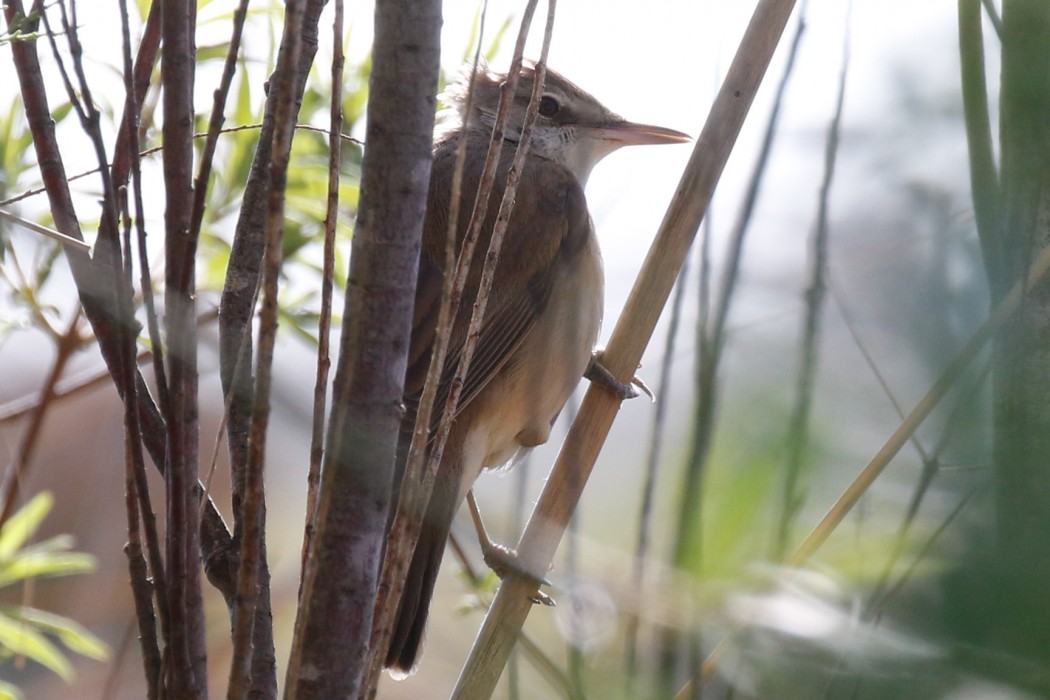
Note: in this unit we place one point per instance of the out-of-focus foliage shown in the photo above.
(27, 632)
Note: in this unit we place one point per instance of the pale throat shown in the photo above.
(579, 153)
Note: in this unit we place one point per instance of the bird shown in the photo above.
(544, 308)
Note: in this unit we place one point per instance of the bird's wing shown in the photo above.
(549, 221)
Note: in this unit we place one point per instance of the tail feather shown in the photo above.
(406, 640)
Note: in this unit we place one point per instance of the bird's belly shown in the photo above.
(517, 408)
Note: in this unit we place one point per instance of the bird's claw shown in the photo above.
(600, 374)
(504, 562)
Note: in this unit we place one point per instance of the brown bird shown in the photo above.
(544, 308)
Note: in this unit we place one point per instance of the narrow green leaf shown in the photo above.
(20, 638)
(242, 113)
(10, 692)
(46, 564)
(21, 526)
(73, 635)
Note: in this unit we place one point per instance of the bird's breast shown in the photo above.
(516, 410)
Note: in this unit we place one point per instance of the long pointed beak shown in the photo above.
(632, 134)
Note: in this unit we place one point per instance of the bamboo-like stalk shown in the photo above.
(984, 174)
(632, 333)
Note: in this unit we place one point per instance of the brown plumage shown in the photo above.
(544, 309)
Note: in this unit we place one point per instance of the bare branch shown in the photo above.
(332, 634)
(420, 470)
(324, 361)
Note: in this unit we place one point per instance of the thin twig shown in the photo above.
(211, 140)
(141, 587)
(253, 503)
(879, 604)
(324, 361)
(931, 466)
(45, 231)
(138, 506)
(186, 662)
(424, 453)
(66, 345)
(922, 410)
(798, 428)
(82, 381)
(117, 161)
(124, 159)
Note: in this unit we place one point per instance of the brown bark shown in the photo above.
(330, 655)
(237, 307)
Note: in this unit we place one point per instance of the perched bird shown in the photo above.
(544, 308)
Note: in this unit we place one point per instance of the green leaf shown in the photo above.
(20, 638)
(24, 523)
(242, 113)
(143, 8)
(493, 48)
(73, 635)
(52, 565)
(213, 52)
(10, 692)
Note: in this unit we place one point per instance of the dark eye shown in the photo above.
(548, 106)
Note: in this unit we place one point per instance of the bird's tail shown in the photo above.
(406, 640)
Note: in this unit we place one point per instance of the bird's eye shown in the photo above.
(548, 106)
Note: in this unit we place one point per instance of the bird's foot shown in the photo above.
(599, 374)
(504, 562)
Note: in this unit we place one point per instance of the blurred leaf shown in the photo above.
(472, 38)
(215, 254)
(10, 692)
(859, 558)
(294, 323)
(49, 252)
(73, 635)
(20, 638)
(23, 631)
(214, 52)
(46, 564)
(736, 513)
(242, 113)
(493, 48)
(24, 523)
(49, 558)
(355, 94)
(58, 114)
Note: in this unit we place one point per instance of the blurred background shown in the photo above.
(697, 501)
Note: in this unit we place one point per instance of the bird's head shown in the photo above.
(572, 127)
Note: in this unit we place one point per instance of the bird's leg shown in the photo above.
(600, 375)
(504, 561)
